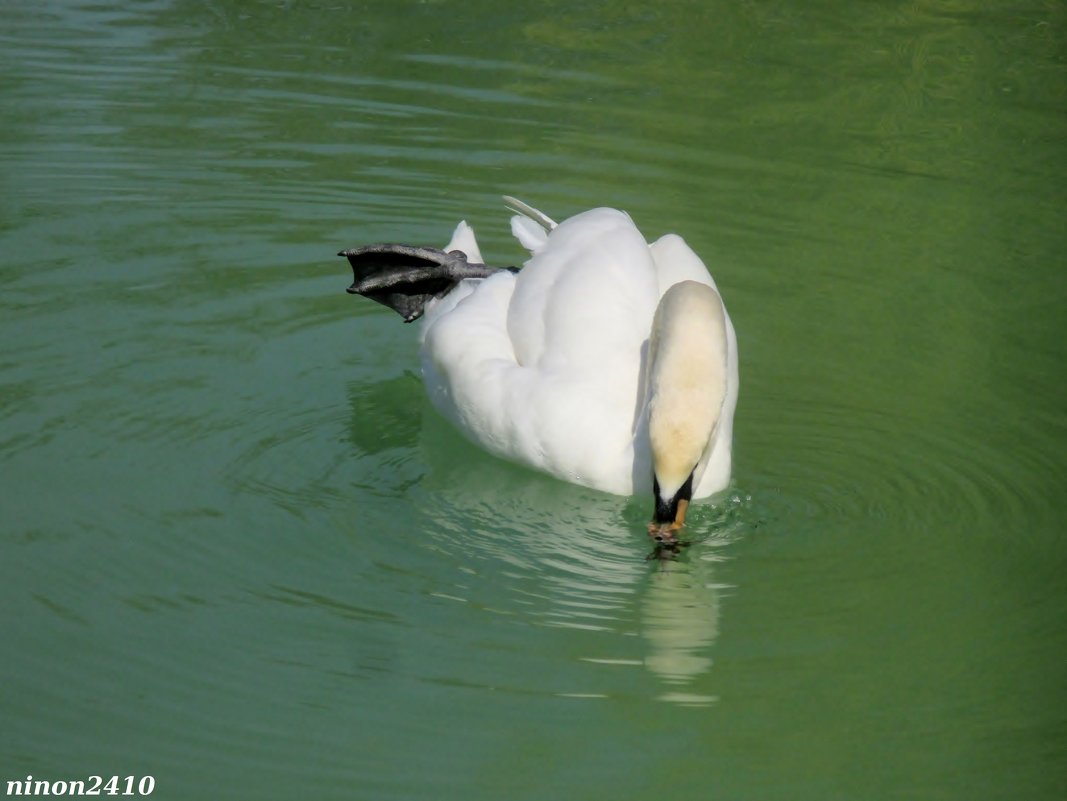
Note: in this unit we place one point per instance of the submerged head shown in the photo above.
(687, 377)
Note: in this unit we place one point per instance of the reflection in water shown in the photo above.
(679, 622)
(575, 559)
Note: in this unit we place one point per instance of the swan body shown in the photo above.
(605, 361)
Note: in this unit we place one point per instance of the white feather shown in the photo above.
(463, 240)
(528, 211)
(546, 367)
(530, 235)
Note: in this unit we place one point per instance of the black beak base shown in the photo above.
(666, 511)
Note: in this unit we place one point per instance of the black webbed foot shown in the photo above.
(405, 278)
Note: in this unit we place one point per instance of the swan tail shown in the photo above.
(464, 241)
(406, 278)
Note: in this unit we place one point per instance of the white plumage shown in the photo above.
(549, 366)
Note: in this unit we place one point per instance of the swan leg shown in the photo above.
(405, 278)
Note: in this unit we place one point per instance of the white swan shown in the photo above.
(605, 361)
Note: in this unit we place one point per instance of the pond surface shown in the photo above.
(241, 554)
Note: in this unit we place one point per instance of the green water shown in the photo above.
(238, 551)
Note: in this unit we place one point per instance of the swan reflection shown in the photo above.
(560, 557)
(679, 614)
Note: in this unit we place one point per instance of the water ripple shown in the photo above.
(842, 463)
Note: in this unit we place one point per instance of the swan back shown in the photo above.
(586, 299)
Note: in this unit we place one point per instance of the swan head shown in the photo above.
(687, 386)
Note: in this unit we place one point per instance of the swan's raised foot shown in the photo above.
(405, 277)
